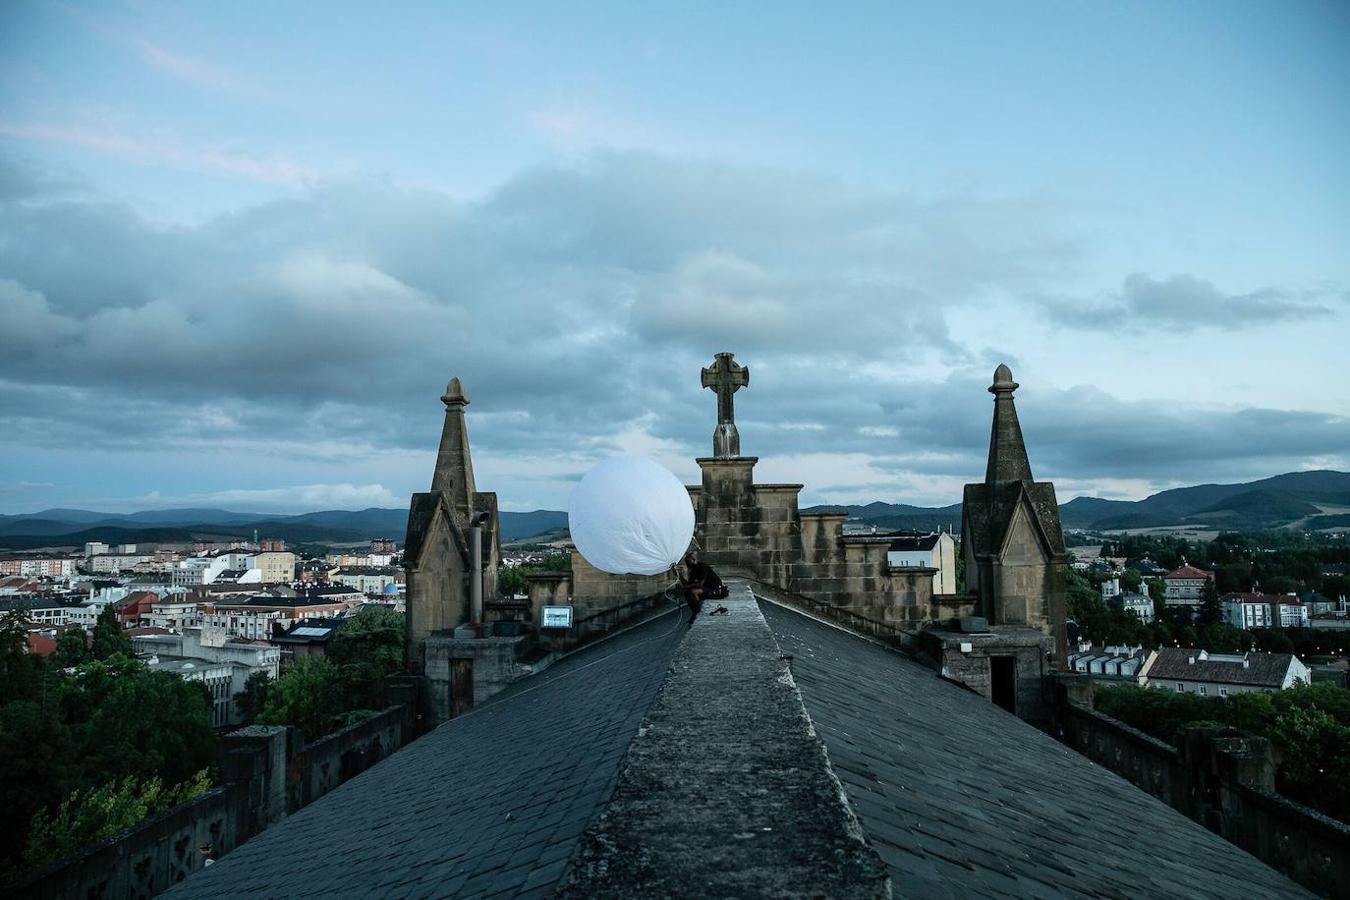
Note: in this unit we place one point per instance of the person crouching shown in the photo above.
(699, 582)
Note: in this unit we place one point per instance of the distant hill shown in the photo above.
(528, 524)
(75, 527)
(894, 516)
(1319, 499)
(1270, 502)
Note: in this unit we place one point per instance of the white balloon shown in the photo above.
(631, 516)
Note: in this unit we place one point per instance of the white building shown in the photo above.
(926, 551)
(1222, 674)
(367, 580)
(208, 643)
(1110, 588)
(240, 621)
(1185, 586)
(174, 613)
(1139, 604)
(1256, 610)
(94, 548)
(116, 562)
(1108, 662)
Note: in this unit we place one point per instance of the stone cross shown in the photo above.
(726, 377)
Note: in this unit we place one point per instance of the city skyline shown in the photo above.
(238, 267)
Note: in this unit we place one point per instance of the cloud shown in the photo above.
(164, 151)
(577, 302)
(1186, 303)
(194, 71)
(291, 499)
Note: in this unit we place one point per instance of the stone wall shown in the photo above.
(594, 591)
(495, 664)
(743, 527)
(852, 573)
(967, 657)
(437, 579)
(1222, 779)
(266, 774)
(315, 769)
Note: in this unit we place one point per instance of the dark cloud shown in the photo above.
(577, 303)
(1186, 303)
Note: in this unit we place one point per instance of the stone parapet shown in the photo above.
(700, 811)
(1222, 779)
(266, 774)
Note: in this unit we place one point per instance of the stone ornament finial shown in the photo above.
(1003, 381)
(454, 394)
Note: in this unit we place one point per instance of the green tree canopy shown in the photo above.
(109, 637)
(308, 695)
(129, 720)
(366, 648)
(72, 647)
(98, 814)
(253, 698)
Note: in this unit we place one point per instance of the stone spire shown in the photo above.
(1007, 451)
(454, 465)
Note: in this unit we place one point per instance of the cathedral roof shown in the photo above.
(760, 753)
(962, 799)
(494, 800)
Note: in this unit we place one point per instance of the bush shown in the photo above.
(87, 817)
(1309, 726)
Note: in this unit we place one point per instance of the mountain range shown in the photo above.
(74, 527)
(1318, 499)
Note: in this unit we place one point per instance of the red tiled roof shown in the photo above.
(40, 644)
(147, 629)
(1189, 571)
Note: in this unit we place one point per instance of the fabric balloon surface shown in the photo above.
(631, 516)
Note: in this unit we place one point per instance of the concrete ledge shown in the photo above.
(726, 790)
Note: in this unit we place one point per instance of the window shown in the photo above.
(1202, 689)
(1181, 688)
(1223, 692)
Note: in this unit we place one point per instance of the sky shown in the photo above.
(244, 246)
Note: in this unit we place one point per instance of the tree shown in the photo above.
(253, 698)
(109, 638)
(510, 581)
(1210, 612)
(72, 648)
(40, 765)
(1222, 638)
(128, 720)
(1314, 759)
(307, 695)
(366, 648)
(19, 672)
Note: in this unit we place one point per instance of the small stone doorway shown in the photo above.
(1003, 681)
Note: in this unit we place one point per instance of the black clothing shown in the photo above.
(702, 575)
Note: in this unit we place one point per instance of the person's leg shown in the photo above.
(695, 598)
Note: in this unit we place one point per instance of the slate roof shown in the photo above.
(915, 542)
(962, 799)
(1261, 670)
(494, 801)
